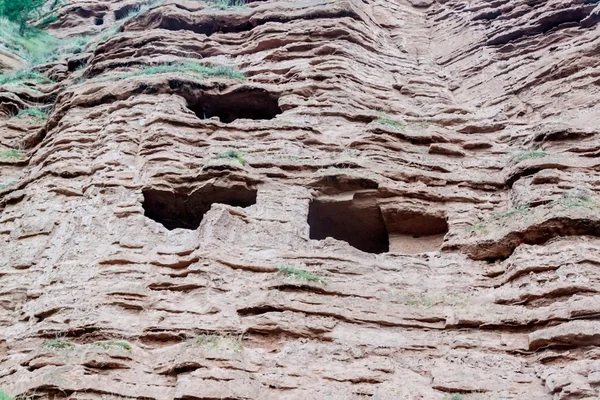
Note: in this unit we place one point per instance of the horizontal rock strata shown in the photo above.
(400, 200)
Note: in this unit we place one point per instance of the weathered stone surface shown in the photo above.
(433, 166)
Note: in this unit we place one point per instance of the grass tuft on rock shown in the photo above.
(397, 125)
(229, 4)
(570, 200)
(114, 344)
(517, 158)
(11, 154)
(190, 69)
(300, 274)
(480, 228)
(6, 185)
(35, 47)
(59, 344)
(5, 396)
(233, 155)
(24, 75)
(33, 113)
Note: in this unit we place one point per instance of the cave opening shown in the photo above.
(179, 209)
(356, 221)
(373, 228)
(413, 232)
(250, 104)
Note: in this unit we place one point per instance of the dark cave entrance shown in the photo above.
(356, 222)
(175, 209)
(252, 104)
(373, 228)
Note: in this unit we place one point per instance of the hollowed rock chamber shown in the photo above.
(185, 209)
(252, 104)
(373, 228)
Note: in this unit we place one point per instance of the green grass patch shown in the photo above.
(217, 342)
(11, 154)
(301, 274)
(72, 45)
(5, 396)
(59, 344)
(114, 344)
(188, 68)
(229, 4)
(6, 185)
(480, 228)
(573, 201)
(34, 113)
(34, 46)
(22, 76)
(397, 125)
(517, 158)
(233, 155)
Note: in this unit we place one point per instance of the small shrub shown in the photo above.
(233, 155)
(5, 396)
(32, 113)
(11, 154)
(517, 158)
(59, 344)
(113, 344)
(301, 275)
(397, 125)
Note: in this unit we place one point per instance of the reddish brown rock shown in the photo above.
(400, 201)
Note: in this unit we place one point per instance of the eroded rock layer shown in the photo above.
(400, 201)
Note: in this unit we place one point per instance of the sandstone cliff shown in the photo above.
(309, 199)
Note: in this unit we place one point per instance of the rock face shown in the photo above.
(400, 201)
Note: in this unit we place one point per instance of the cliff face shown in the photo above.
(398, 201)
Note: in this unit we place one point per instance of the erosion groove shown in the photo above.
(304, 199)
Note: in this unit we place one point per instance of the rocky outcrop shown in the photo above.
(398, 200)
